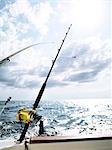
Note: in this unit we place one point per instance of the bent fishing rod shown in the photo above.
(30, 114)
(8, 57)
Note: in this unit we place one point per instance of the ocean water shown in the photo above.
(79, 118)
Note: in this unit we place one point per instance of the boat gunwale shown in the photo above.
(55, 139)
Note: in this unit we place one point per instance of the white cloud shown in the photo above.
(30, 68)
(1, 22)
(23, 27)
(90, 61)
(38, 14)
(19, 7)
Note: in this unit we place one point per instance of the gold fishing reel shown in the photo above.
(24, 115)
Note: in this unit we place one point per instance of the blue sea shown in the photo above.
(79, 118)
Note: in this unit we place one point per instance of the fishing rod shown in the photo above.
(5, 105)
(25, 115)
(8, 57)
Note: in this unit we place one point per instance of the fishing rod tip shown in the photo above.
(70, 26)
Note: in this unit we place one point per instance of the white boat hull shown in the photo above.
(66, 143)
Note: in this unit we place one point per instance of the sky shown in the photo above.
(26, 22)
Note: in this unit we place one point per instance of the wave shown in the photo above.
(60, 118)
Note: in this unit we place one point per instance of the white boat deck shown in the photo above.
(66, 143)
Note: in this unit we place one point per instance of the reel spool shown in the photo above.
(24, 115)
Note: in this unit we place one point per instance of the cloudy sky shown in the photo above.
(25, 22)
